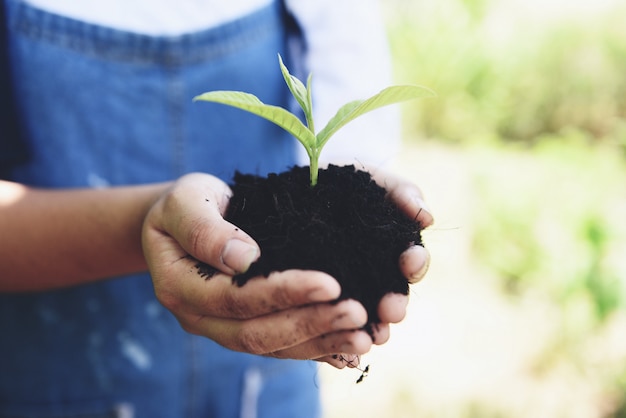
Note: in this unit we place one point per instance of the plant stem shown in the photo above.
(314, 156)
(309, 122)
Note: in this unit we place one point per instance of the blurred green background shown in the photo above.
(522, 157)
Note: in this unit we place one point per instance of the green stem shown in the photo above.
(314, 157)
(309, 122)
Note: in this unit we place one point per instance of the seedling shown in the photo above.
(313, 142)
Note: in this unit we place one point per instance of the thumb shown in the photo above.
(193, 215)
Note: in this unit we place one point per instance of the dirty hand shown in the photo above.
(286, 315)
(409, 198)
(414, 261)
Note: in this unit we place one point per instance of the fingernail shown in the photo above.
(415, 262)
(422, 204)
(424, 214)
(325, 292)
(348, 320)
(321, 295)
(419, 274)
(238, 255)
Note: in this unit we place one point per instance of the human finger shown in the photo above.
(192, 213)
(392, 308)
(414, 263)
(409, 199)
(342, 360)
(305, 332)
(324, 348)
(180, 287)
(406, 195)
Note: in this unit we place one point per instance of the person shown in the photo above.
(105, 203)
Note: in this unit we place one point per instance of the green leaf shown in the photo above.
(275, 114)
(292, 124)
(309, 115)
(299, 91)
(352, 110)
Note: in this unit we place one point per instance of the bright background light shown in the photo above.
(522, 158)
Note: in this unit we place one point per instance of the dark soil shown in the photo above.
(343, 226)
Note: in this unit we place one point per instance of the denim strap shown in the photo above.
(12, 149)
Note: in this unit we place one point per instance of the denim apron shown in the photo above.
(108, 107)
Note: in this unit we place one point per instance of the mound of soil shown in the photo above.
(343, 226)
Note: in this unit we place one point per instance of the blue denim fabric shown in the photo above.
(108, 107)
(12, 150)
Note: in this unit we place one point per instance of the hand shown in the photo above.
(286, 315)
(408, 197)
(414, 261)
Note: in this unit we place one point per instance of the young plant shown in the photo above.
(313, 142)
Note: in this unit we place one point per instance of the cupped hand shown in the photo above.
(408, 197)
(286, 315)
(414, 262)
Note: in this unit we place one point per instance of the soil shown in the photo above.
(343, 226)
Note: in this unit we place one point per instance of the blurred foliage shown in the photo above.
(549, 225)
(551, 221)
(507, 71)
(549, 79)
(535, 93)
